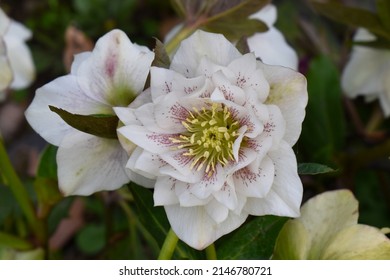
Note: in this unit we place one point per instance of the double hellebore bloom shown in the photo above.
(328, 229)
(16, 64)
(217, 138)
(367, 72)
(111, 75)
(271, 46)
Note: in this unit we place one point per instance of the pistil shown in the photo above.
(209, 138)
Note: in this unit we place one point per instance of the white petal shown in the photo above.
(19, 31)
(202, 44)
(275, 126)
(115, 69)
(227, 196)
(88, 164)
(289, 92)
(126, 115)
(186, 197)
(227, 90)
(19, 55)
(63, 93)
(164, 191)
(384, 97)
(209, 184)
(4, 22)
(139, 179)
(169, 113)
(78, 60)
(179, 167)
(267, 14)
(366, 72)
(272, 48)
(150, 141)
(285, 196)
(255, 180)
(217, 211)
(6, 75)
(196, 228)
(144, 163)
(22, 66)
(164, 81)
(206, 67)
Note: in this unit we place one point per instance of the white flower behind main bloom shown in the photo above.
(111, 75)
(217, 137)
(271, 46)
(16, 63)
(367, 73)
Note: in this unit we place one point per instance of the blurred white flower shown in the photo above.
(367, 72)
(111, 75)
(328, 229)
(271, 46)
(217, 137)
(16, 62)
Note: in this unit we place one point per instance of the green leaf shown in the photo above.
(179, 8)
(11, 254)
(161, 58)
(233, 21)
(91, 239)
(47, 167)
(10, 241)
(383, 10)
(352, 16)
(46, 184)
(313, 169)
(379, 43)
(101, 126)
(255, 240)
(373, 197)
(236, 10)
(242, 45)
(155, 221)
(234, 30)
(8, 204)
(323, 131)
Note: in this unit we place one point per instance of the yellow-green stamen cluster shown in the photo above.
(209, 138)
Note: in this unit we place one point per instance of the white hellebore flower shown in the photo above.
(271, 46)
(217, 138)
(111, 75)
(16, 63)
(328, 229)
(367, 72)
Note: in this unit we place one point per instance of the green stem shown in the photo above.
(180, 36)
(20, 193)
(211, 253)
(169, 246)
(15, 242)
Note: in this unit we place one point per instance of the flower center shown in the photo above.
(209, 138)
